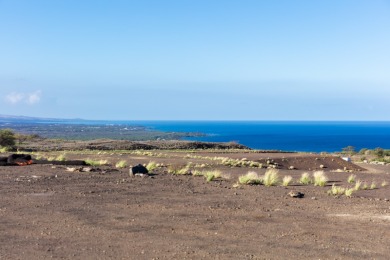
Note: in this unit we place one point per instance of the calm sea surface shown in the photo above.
(289, 136)
(305, 136)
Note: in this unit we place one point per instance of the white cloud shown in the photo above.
(29, 98)
(14, 97)
(34, 98)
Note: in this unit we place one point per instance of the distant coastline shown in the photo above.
(305, 136)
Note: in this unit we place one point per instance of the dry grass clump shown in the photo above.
(179, 170)
(358, 185)
(95, 162)
(60, 157)
(271, 177)
(305, 178)
(250, 178)
(197, 173)
(4, 149)
(373, 186)
(384, 183)
(320, 178)
(351, 178)
(286, 180)
(151, 166)
(183, 171)
(336, 191)
(211, 175)
(348, 192)
(121, 164)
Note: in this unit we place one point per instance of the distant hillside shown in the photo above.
(13, 119)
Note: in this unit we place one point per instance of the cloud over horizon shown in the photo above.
(28, 98)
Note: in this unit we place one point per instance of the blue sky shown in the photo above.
(195, 59)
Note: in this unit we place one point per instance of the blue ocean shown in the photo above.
(287, 136)
(304, 136)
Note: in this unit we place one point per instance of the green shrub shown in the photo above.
(7, 138)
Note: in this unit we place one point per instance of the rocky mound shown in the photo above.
(106, 144)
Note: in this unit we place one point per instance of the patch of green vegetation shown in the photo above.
(7, 138)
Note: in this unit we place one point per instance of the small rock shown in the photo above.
(296, 194)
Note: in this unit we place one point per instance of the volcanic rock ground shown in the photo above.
(47, 211)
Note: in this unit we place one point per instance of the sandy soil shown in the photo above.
(49, 212)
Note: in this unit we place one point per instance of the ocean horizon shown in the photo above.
(296, 136)
(299, 136)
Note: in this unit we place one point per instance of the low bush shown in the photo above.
(7, 138)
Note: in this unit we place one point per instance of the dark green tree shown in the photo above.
(349, 150)
(380, 152)
(7, 138)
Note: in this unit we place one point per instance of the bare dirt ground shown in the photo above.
(48, 212)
